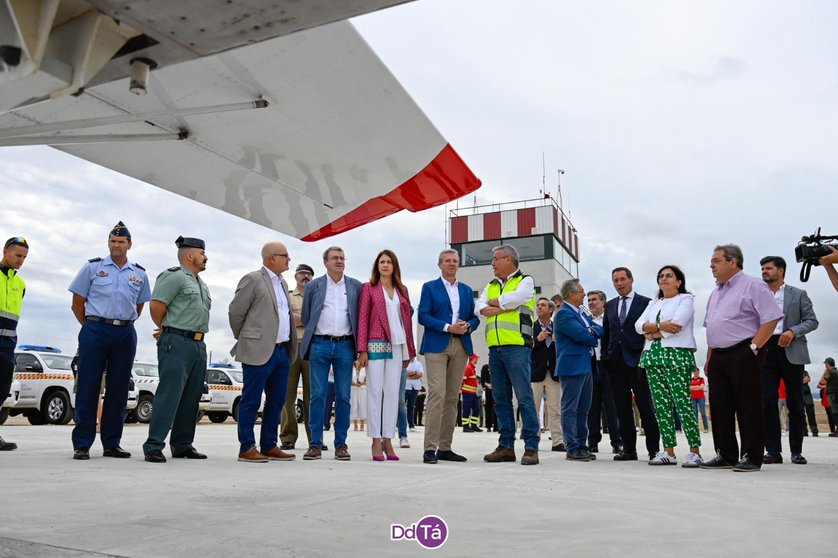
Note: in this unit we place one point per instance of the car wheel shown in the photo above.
(145, 405)
(298, 411)
(55, 408)
(4, 414)
(235, 412)
(35, 418)
(217, 418)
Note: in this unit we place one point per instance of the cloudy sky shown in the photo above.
(680, 125)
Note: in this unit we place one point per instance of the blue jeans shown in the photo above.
(330, 402)
(402, 417)
(340, 357)
(271, 378)
(699, 407)
(576, 402)
(511, 370)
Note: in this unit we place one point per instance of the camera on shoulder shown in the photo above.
(811, 249)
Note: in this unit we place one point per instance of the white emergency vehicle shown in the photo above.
(225, 384)
(10, 401)
(146, 378)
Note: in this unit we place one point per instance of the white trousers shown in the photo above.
(383, 380)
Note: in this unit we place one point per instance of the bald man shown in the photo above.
(262, 322)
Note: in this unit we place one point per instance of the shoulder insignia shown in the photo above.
(91, 260)
(139, 266)
(173, 268)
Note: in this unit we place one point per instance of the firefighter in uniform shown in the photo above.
(108, 297)
(12, 289)
(180, 307)
(508, 302)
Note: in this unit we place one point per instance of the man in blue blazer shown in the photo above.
(446, 344)
(576, 337)
(330, 318)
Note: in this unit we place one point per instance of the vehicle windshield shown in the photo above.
(237, 375)
(57, 362)
(147, 370)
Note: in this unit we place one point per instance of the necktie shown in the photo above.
(622, 310)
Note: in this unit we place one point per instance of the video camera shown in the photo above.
(811, 249)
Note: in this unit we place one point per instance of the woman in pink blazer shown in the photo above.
(385, 346)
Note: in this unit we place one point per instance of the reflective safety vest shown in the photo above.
(11, 301)
(510, 328)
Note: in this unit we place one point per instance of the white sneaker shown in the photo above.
(403, 443)
(692, 461)
(412, 430)
(663, 458)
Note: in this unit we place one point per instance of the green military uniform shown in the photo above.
(181, 357)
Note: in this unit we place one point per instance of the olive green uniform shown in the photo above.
(181, 357)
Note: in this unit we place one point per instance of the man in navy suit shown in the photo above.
(446, 310)
(576, 337)
(621, 349)
(330, 318)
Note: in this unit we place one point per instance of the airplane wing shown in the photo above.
(307, 133)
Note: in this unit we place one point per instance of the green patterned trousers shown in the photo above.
(669, 370)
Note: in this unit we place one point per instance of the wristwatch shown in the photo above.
(754, 347)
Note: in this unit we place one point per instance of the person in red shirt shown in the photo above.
(471, 403)
(697, 396)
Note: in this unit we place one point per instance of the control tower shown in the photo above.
(546, 240)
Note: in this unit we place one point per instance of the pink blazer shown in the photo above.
(372, 317)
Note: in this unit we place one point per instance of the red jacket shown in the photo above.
(469, 384)
(372, 317)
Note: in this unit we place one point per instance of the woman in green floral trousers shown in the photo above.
(669, 360)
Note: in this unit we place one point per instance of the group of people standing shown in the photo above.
(630, 350)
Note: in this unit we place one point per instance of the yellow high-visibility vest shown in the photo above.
(510, 328)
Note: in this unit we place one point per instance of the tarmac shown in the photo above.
(53, 506)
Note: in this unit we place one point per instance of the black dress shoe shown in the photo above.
(558, 447)
(286, 446)
(189, 454)
(116, 451)
(448, 455)
(476, 428)
(798, 460)
(7, 446)
(82, 454)
(593, 449)
(155, 456)
(717, 462)
(429, 456)
(324, 447)
(771, 459)
(626, 456)
(616, 449)
(745, 465)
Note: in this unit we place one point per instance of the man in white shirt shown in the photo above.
(260, 317)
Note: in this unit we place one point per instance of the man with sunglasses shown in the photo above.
(299, 368)
(12, 289)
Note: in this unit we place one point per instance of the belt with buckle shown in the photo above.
(194, 335)
(109, 322)
(333, 338)
(743, 343)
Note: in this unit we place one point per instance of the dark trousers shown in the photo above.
(810, 415)
(626, 380)
(602, 400)
(7, 372)
(777, 367)
(410, 396)
(735, 381)
(183, 369)
(471, 409)
(272, 379)
(103, 346)
(576, 404)
(289, 431)
(489, 411)
(420, 409)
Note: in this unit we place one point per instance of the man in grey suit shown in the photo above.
(261, 319)
(330, 318)
(787, 354)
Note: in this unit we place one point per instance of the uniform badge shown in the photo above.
(102, 273)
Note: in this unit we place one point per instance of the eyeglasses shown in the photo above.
(304, 273)
(666, 276)
(337, 258)
(495, 258)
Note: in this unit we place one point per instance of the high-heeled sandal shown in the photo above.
(376, 457)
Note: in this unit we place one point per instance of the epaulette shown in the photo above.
(91, 260)
(173, 268)
(138, 265)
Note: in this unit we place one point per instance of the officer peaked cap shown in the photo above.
(186, 242)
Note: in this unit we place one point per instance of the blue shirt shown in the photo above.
(111, 293)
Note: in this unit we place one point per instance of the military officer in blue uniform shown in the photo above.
(108, 297)
(180, 307)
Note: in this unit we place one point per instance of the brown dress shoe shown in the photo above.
(276, 454)
(342, 453)
(530, 457)
(499, 455)
(252, 456)
(312, 453)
